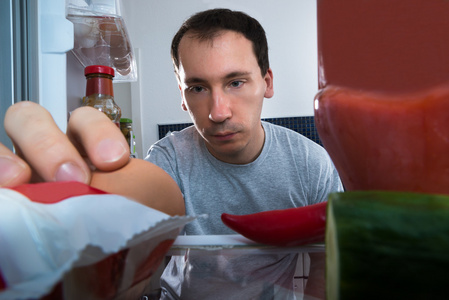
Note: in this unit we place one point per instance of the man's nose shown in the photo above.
(220, 107)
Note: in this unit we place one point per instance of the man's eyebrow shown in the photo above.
(195, 80)
(237, 74)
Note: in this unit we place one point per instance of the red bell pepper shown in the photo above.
(285, 227)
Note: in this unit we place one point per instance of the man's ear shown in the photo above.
(269, 92)
(183, 104)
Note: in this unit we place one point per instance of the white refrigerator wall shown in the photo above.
(154, 99)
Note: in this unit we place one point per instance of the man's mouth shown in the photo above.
(224, 136)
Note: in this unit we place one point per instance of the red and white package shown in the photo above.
(70, 241)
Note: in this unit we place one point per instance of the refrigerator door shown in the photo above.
(18, 67)
(35, 37)
(6, 65)
(55, 35)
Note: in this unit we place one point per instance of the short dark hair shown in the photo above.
(207, 24)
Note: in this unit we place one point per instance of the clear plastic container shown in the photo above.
(101, 38)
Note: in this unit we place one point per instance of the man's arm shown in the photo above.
(94, 151)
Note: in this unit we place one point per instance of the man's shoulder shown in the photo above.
(282, 132)
(176, 137)
(176, 143)
(290, 142)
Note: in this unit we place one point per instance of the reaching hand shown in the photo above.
(44, 153)
(94, 152)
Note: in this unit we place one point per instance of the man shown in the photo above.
(229, 161)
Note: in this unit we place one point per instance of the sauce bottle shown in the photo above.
(100, 92)
(127, 130)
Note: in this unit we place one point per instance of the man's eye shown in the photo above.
(196, 89)
(236, 83)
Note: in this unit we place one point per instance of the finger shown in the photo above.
(42, 145)
(93, 133)
(14, 171)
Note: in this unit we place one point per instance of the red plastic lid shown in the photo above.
(98, 69)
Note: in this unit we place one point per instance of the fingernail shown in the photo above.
(111, 150)
(70, 172)
(9, 170)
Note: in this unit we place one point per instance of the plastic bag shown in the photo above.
(81, 247)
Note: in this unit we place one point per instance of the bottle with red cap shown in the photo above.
(100, 92)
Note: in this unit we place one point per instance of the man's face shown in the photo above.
(223, 90)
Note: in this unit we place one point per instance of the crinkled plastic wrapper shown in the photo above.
(94, 246)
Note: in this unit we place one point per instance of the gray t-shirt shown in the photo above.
(291, 171)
